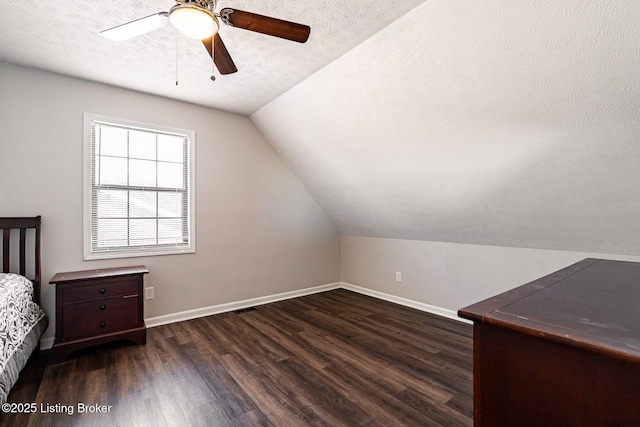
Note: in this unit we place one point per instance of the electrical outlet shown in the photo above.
(398, 277)
(149, 293)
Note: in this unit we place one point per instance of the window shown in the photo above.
(138, 189)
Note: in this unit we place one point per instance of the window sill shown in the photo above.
(136, 254)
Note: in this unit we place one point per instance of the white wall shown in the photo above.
(258, 231)
(448, 275)
(496, 126)
(506, 123)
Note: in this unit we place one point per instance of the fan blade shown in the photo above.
(220, 54)
(137, 27)
(265, 25)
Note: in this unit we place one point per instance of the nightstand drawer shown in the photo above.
(85, 291)
(100, 317)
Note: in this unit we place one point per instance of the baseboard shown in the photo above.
(406, 302)
(237, 305)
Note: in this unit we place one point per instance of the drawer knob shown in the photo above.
(102, 306)
(102, 324)
(103, 290)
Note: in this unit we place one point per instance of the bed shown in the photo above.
(22, 321)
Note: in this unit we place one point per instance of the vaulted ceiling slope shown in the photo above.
(63, 37)
(512, 123)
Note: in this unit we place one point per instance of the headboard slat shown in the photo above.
(23, 224)
(6, 237)
(23, 248)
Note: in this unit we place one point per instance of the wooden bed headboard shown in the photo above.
(22, 224)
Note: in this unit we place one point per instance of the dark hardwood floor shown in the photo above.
(332, 359)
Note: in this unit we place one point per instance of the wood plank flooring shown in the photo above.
(331, 359)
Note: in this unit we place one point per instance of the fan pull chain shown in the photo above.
(177, 56)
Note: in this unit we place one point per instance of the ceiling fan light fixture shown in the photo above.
(193, 21)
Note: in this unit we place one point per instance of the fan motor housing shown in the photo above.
(205, 4)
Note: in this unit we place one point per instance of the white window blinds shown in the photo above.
(139, 190)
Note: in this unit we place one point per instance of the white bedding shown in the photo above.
(20, 320)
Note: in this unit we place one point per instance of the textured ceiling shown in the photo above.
(513, 123)
(510, 122)
(62, 37)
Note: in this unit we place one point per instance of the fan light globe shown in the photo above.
(193, 21)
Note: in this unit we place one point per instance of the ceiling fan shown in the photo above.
(197, 19)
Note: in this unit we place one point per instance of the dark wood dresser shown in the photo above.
(563, 350)
(98, 306)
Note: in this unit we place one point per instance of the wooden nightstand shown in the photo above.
(98, 306)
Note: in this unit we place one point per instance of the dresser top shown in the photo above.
(593, 304)
(74, 276)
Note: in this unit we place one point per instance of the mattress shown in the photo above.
(22, 323)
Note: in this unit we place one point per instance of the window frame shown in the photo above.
(133, 251)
